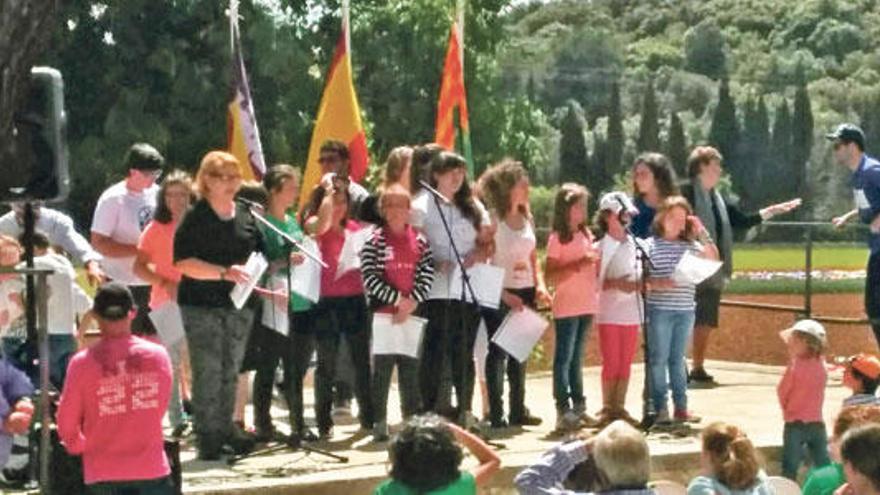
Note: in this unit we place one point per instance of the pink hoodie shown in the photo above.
(111, 410)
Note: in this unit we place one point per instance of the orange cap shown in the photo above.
(866, 364)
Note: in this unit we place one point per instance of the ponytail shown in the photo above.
(733, 457)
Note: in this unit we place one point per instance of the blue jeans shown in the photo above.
(568, 383)
(668, 334)
(795, 437)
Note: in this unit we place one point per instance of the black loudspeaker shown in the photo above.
(36, 165)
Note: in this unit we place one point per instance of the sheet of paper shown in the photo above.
(481, 350)
(256, 265)
(306, 278)
(487, 281)
(350, 256)
(404, 339)
(693, 269)
(168, 322)
(274, 310)
(519, 332)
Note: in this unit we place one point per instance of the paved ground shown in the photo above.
(746, 397)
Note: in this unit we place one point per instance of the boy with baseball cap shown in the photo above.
(862, 376)
(113, 401)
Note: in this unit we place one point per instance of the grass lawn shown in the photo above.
(788, 286)
(750, 257)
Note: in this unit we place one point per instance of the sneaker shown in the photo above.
(307, 435)
(525, 420)
(662, 417)
(380, 432)
(571, 420)
(699, 375)
(263, 435)
(325, 434)
(498, 423)
(685, 416)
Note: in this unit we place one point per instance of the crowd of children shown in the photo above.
(395, 255)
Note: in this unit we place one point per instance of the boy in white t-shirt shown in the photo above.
(122, 212)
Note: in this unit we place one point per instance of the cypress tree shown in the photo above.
(780, 153)
(676, 145)
(573, 146)
(724, 130)
(649, 128)
(801, 144)
(616, 140)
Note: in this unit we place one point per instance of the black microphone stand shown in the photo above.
(296, 443)
(643, 259)
(465, 278)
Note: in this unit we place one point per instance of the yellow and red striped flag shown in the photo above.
(452, 96)
(242, 134)
(339, 118)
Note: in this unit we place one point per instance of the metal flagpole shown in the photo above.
(233, 23)
(346, 25)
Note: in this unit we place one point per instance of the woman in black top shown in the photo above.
(211, 247)
(720, 218)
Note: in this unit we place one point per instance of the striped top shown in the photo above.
(861, 400)
(386, 269)
(665, 256)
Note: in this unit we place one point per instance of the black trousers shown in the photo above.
(294, 352)
(338, 318)
(872, 294)
(447, 355)
(499, 361)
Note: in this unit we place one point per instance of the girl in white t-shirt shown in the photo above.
(620, 305)
(505, 189)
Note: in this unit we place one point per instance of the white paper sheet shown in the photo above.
(256, 265)
(306, 277)
(275, 311)
(350, 256)
(519, 332)
(481, 350)
(404, 339)
(168, 322)
(487, 281)
(693, 269)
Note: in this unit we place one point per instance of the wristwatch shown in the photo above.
(223, 271)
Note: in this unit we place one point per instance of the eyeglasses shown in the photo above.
(329, 159)
(154, 174)
(224, 177)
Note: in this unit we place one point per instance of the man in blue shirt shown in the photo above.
(849, 150)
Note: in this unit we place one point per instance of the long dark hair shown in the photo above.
(174, 178)
(464, 199)
(664, 174)
(566, 197)
(420, 165)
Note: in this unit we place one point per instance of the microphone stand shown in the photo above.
(643, 259)
(296, 443)
(465, 278)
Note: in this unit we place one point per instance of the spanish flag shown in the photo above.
(339, 118)
(452, 95)
(242, 134)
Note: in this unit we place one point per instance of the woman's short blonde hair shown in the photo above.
(622, 455)
(213, 163)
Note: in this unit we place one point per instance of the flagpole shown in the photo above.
(459, 18)
(346, 24)
(233, 23)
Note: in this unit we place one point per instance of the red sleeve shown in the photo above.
(785, 385)
(70, 409)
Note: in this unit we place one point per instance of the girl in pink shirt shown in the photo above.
(155, 264)
(801, 394)
(572, 268)
(342, 310)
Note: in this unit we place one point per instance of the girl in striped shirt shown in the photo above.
(671, 303)
(398, 270)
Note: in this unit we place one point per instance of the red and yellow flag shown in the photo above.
(452, 96)
(339, 118)
(242, 134)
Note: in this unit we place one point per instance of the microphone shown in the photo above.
(435, 192)
(252, 204)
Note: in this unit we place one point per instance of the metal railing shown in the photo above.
(805, 311)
